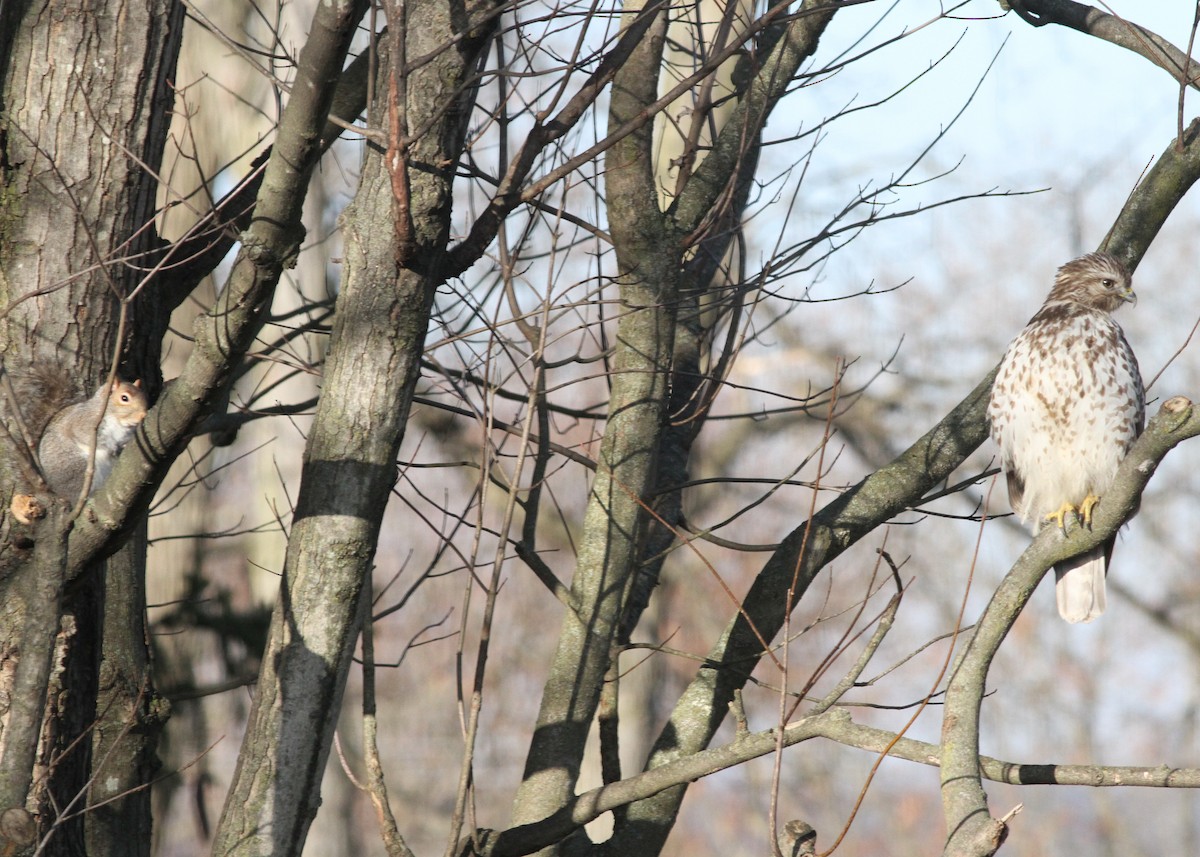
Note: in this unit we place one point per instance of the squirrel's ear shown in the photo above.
(138, 382)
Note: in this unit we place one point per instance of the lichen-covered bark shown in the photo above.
(348, 471)
(710, 292)
(721, 174)
(84, 94)
(30, 610)
(129, 715)
(658, 339)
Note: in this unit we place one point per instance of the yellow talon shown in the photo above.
(1085, 508)
(1059, 516)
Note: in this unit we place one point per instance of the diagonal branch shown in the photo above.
(1155, 197)
(531, 837)
(183, 264)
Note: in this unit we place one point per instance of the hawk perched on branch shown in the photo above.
(1066, 406)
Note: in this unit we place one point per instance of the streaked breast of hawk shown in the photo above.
(1066, 406)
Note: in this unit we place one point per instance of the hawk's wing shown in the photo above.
(1016, 490)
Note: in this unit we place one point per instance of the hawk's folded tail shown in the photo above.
(1079, 589)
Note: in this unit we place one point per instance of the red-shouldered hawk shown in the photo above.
(1066, 406)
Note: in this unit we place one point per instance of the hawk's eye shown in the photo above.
(1108, 283)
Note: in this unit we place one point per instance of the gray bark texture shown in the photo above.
(654, 382)
(84, 105)
(349, 464)
(614, 521)
(84, 281)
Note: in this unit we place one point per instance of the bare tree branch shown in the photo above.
(845, 731)
(1126, 34)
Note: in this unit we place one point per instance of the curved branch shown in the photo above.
(971, 830)
(835, 725)
(1110, 28)
(581, 809)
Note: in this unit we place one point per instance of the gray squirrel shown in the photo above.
(66, 445)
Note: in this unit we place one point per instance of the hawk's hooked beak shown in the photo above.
(1129, 296)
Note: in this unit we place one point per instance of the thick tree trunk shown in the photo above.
(707, 203)
(129, 713)
(615, 518)
(371, 371)
(85, 105)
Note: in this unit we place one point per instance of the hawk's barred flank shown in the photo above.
(1066, 406)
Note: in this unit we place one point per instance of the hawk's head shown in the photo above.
(1096, 281)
